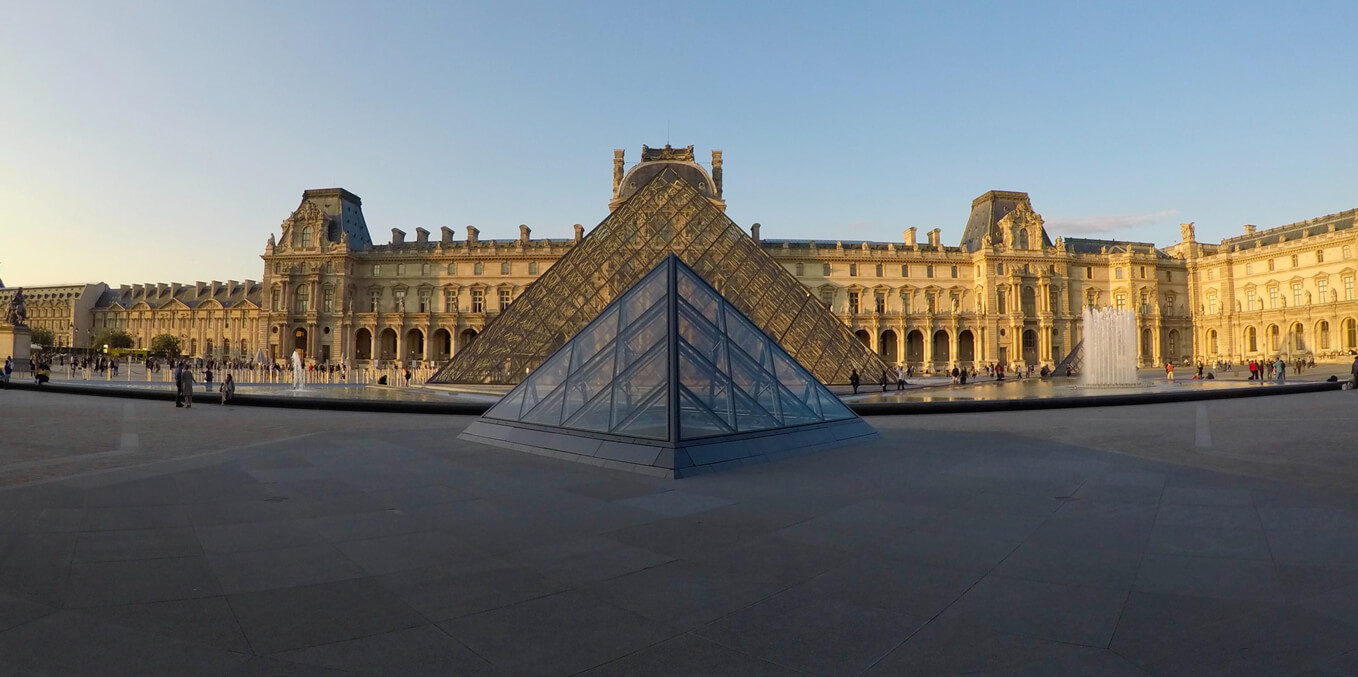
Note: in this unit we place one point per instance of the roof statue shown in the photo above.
(669, 379)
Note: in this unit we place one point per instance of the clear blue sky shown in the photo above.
(146, 142)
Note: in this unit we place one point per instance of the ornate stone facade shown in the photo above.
(63, 309)
(1007, 293)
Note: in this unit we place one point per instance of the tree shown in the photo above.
(113, 338)
(165, 344)
(43, 336)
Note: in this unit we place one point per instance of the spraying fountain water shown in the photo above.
(297, 370)
(1109, 348)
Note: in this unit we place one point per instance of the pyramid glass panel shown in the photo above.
(653, 371)
(666, 216)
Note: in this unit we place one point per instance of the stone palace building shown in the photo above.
(1005, 293)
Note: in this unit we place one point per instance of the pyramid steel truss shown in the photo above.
(667, 216)
(669, 379)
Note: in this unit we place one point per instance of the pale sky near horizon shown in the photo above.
(165, 141)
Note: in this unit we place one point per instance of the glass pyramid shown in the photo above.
(666, 216)
(673, 361)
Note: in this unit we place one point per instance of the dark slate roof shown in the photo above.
(229, 294)
(346, 208)
(1293, 231)
(986, 212)
(1083, 245)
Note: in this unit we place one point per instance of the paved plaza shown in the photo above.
(1213, 538)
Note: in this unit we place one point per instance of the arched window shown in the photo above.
(1323, 332)
(306, 236)
(1273, 335)
(1023, 239)
(1350, 334)
(1251, 340)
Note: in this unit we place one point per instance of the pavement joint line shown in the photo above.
(1202, 434)
(135, 466)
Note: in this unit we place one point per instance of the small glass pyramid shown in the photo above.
(669, 364)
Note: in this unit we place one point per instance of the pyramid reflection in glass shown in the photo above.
(669, 379)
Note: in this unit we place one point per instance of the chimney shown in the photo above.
(1250, 230)
(580, 230)
(421, 236)
(216, 287)
(716, 172)
(754, 232)
(910, 240)
(935, 236)
(472, 234)
(198, 288)
(447, 234)
(524, 232)
(231, 286)
(617, 169)
(398, 236)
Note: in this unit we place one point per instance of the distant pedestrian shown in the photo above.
(1280, 368)
(854, 380)
(176, 373)
(885, 381)
(1169, 371)
(900, 377)
(186, 385)
(9, 369)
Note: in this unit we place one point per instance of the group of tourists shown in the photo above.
(184, 382)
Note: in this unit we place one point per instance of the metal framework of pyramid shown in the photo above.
(666, 216)
(670, 379)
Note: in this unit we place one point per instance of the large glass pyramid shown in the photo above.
(666, 216)
(670, 376)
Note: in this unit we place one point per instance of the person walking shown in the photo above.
(1280, 368)
(228, 389)
(900, 376)
(175, 373)
(1169, 371)
(186, 386)
(854, 380)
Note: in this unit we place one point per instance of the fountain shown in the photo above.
(1109, 348)
(298, 370)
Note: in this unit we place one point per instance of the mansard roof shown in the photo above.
(229, 294)
(986, 212)
(1084, 245)
(1294, 231)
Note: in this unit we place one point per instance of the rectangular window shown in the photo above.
(1270, 265)
(1089, 273)
(506, 297)
(377, 270)
(1344, 253)
(424, 303)
(1296, 294)
(853, 270)
(1120, 301)
(1323, 290)
(399, 301)
(478, 268)
(329, 302)
(825, 269)
(1000, 302)
(853, 302)
(1320, 256)
(1249, 299)
(881, 304)
(799, 269)
(478, 301)
(1212, 304)
(452, 269)
(504, 268)
(929, 270)
(1211, 274)
(999, 269)
(1249, 268)
(1348, 287)
(400, 270)
(827, 296)
(1143, 272)
(449, 301)
(1272, 297)
(1117, 272)
(905, 303)
(905, 270)
(1169, 276)
(532, 267)
(373, 299)
(879, 270)
(273, 302)
(1294, 260)
(954, 272)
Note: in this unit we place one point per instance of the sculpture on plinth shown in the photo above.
(17, 314)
